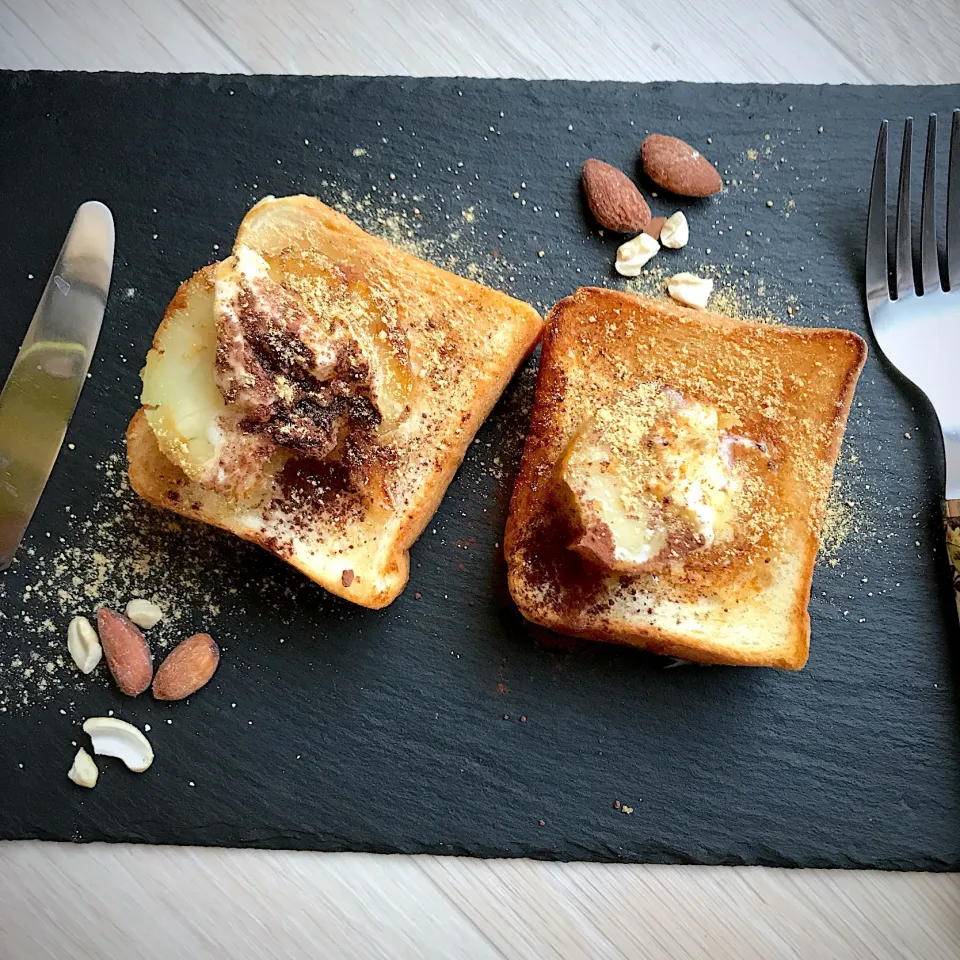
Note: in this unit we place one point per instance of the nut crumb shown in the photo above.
(144, 613)
(83, 772)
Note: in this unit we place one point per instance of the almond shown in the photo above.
(127, 653)
(675, 166)
(187, 668)
(653, 228)
(614, 198)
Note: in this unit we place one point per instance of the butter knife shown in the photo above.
(41, 392)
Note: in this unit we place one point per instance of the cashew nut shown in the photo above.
(117, 738)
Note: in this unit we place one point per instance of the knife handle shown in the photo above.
(951, 530)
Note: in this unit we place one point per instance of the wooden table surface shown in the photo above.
(128, 902)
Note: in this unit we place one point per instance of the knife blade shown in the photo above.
(41, 392)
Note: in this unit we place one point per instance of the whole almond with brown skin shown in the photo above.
(676, 166)
(187, 668)
(127, 653)
(614, 198)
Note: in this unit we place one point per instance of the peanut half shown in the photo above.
(84, 644)
(633, 255)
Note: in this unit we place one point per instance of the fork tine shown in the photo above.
(878, 286)
(930, 268)
(953, 206)
(904, 249)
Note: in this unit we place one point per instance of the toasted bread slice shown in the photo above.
(443, 348)
(784, 392)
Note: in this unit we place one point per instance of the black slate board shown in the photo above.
(439, 724)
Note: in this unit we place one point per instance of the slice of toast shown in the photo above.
(345, 520)
(741, 599)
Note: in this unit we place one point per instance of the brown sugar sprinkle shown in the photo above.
(838, 523)
(738, 297)
(457, 248)
(121, 549)
(848, 515)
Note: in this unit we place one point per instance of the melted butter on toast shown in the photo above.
(649, 479)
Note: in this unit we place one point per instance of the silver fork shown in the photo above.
(916, 328)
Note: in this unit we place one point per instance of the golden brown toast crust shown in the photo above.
(790, 388)
(466, 341)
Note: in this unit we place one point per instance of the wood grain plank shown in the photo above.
(702, 913)
(67, 902)
(72, 902)
(109, 35)
(893, 41)
(680, 40)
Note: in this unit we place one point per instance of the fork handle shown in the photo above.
(951, 529)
